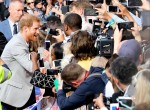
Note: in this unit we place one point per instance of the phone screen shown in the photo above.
(125, 25)
(112, 9)
(52, 71)
(134, 3)
(41, 63)
(47, 44)
(57, 63)
(127, 102)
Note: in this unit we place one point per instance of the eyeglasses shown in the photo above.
(30, 3)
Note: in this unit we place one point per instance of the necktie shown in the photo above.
(15, 29)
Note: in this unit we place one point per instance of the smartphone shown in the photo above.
(41, 63)
(134, 3)
(57, 63)
(125, 25)
(125, 102)
(111, 8)
(52, 71)
(47, 44)
(90, 12)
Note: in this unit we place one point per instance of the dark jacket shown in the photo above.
(4, 13)
(94, 85)
(3, 42)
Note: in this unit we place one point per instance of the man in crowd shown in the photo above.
(86, 84)
(72, 23)
(79, 7)
(9, 27)
(123, 69)
(17, 92)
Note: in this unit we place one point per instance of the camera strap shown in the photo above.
(103, 76)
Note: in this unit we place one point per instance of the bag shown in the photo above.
(42, 80)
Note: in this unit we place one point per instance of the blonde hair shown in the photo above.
(142, 94)
(27, 20)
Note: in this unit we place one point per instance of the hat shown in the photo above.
(131, 49)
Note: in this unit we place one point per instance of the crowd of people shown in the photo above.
(79, 54)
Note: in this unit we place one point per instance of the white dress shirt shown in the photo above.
(12, 26)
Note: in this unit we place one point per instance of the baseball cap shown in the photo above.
(131, 49)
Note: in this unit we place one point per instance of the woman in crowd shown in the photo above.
(50, 5)
(30, 6)
(82, 47)
(142, 93)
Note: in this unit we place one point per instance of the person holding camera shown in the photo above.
(85, 83)
(123, 70)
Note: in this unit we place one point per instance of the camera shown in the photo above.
(52, 32)
(104, 45)
(68, 88)
(96, 27)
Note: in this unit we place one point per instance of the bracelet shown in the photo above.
(111, 22)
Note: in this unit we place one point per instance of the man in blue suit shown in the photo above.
(9, 27)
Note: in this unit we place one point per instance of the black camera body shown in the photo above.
(68, 88)
(104, 45)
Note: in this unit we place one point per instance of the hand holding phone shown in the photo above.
(47, 44)
(125, 25)
(125, 102)
(111, 8)
(57, 63)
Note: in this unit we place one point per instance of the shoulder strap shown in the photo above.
(103, 76)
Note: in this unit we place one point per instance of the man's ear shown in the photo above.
(141, 58)
(66, 27)
(115, 80)
(25, 28)
(74, 82)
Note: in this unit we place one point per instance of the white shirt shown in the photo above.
(12, 26)
(86, 26)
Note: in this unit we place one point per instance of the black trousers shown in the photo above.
(31, 101)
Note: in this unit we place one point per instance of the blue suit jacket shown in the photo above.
(7, 2)
(5, 29)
